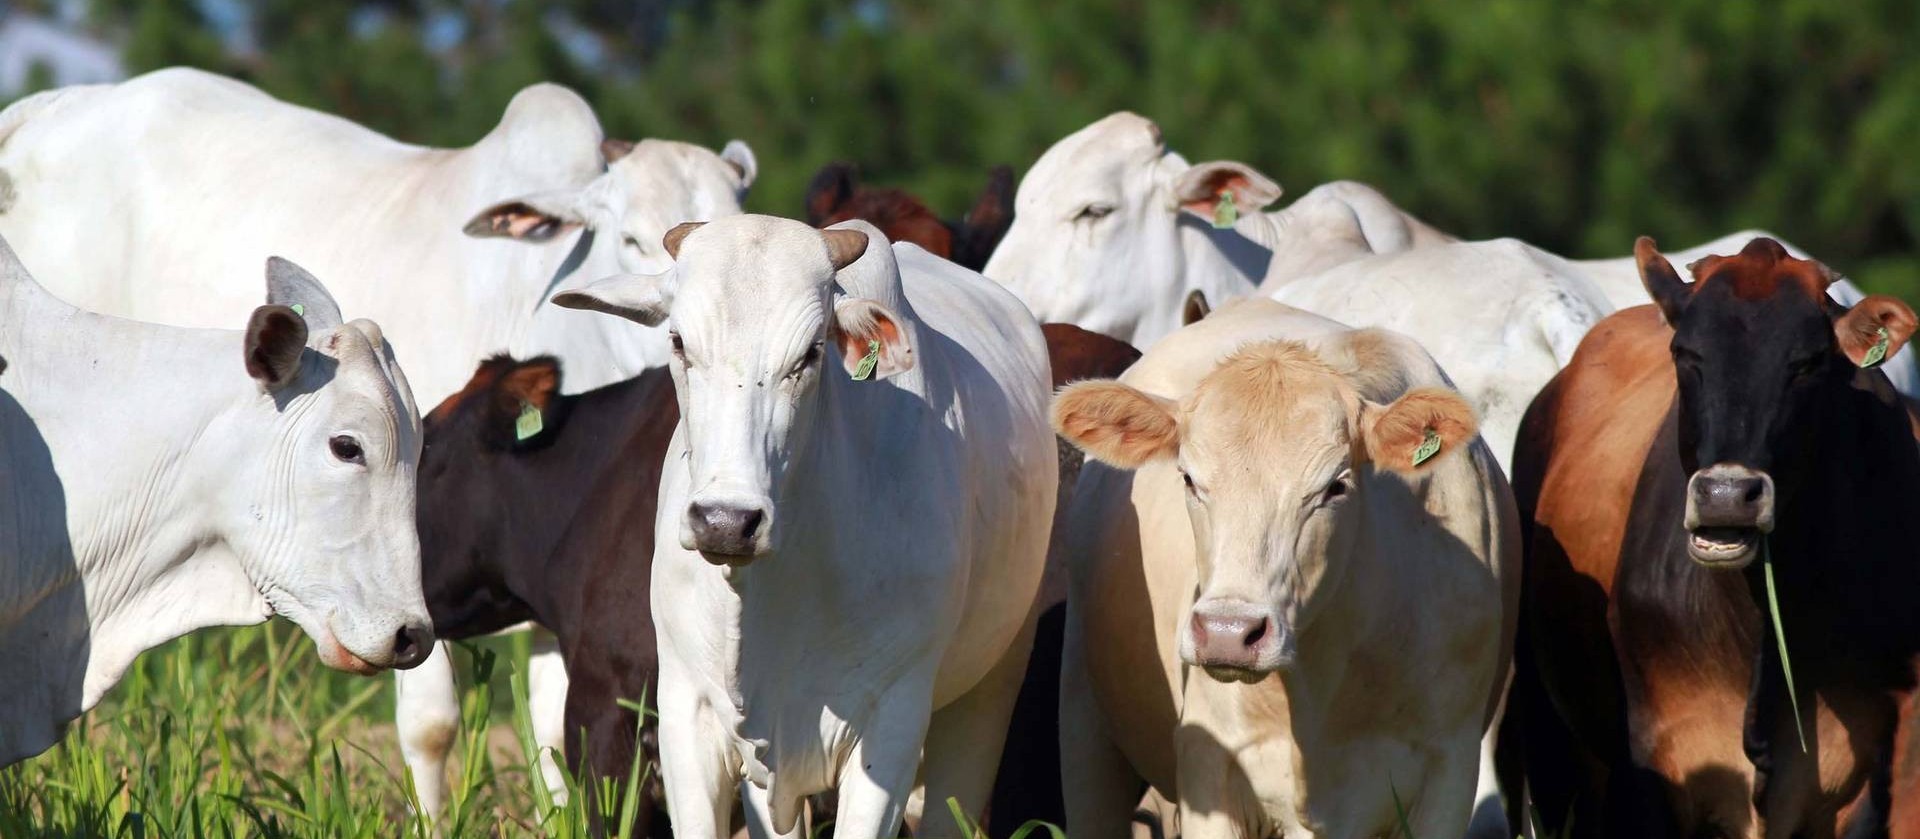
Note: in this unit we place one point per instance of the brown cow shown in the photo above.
(1737, 419)
(836, 196)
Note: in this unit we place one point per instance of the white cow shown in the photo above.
(1284, 617)
(146, 199)
(1112, 232)
(155, 480)
(862, 485)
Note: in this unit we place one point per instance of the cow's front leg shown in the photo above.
(879, 773)
(696, 760)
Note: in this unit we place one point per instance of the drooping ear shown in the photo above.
(292, 286)
(671, 241)
(1199, 188)
(1116, 424)
(1195, 309)
(844, 247)
(832, 186)
(522, 399)
(642, 298)
(612, 149)
(1859, 331)
(276, 337)
(739, 155)
(1418, 429)
(530, 218)
(862, 327)
(1663, 284)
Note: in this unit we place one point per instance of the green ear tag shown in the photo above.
(1427, 448)
(529, 423)
(1225, 213)
(864, 370)
(302, 311)
(1878, 352)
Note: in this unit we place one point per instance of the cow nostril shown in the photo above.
(1755, 489)
(750, 523)
(1254, 635)
(406, 645)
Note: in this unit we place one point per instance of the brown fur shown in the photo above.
(1859, 329)
(1398, 430)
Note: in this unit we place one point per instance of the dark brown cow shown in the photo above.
(836, 196)
(1649, 697)
(558, 529)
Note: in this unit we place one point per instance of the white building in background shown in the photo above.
(71, 57)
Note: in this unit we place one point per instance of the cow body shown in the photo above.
(149, 486)
(1692, 733)
(889, 532)
(1385, 695)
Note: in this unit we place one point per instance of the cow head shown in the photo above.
(1108, 223)
(1280, 455)
(836, 196)
(318, 504)
(1757, 345)
(758, 327)
(648, 188)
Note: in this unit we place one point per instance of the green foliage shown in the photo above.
(1575, 126)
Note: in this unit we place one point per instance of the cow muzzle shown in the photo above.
(728, 531)
(1729, 510)
(1237, 641)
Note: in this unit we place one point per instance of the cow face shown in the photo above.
(1096, 238)
(317, 504)
(757, 324)
(1278, 454)
(648, 187)
(1756, 346)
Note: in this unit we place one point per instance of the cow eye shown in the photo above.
(1093, 211)
(632, 242)
(346, 449)
(807, 361)
(1335, 490)
(1189, 480)
(679, 346)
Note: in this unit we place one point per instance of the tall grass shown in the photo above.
(241, 732)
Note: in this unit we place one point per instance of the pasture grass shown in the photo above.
(242, 732)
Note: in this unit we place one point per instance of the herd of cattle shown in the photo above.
(1291, 591)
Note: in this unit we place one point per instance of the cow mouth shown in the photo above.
(1723, 547)
(1231, 673)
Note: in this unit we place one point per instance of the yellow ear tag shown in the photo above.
(864, 370)
(1225, 213)
(1427, 448)
(1878, 352)
(529, 423)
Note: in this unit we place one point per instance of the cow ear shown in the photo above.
(291, 286)
(642, 298)
(530, 218)
(1199, 189)
(1663, 284)
(276, 338)
(872, 344)
(1874, 329)
(611, 149)
(1195, 309)
(746, 167)
(1417, 430)
(1116, 424)
(832, 186)
(992, 212)
(521, 409)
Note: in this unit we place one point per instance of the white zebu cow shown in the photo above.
(155, 480)
(146, 199)
(1285, 618)
(862, 484)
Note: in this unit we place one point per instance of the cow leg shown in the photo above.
(695, 751)
(426, 716)
(1099, 785)
(878, 775)
(547, 704)
(1489, 821)
(1448, 802)
(965, 738)
(758, 809)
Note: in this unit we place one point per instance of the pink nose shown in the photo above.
(1229, 640)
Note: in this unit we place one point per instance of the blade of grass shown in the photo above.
(1780, 636)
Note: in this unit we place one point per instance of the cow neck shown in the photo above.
(1307, 237)
(146, 549)
(1225, 265)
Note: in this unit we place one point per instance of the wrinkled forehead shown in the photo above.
(753, 266)
(368, 385)
(1276, 400)
(1107, 152)
(670, 182)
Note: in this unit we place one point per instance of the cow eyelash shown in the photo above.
(1336, 490)
(633, 243)
(1093, 211)
(679, 346)
(346, 449)
(807, 361)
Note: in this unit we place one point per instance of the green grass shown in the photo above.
(242, 732)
